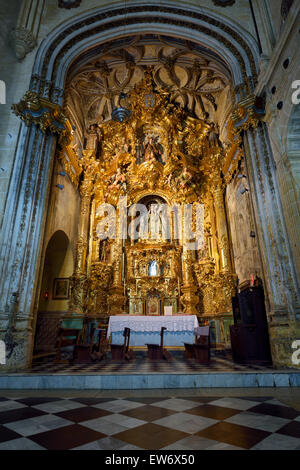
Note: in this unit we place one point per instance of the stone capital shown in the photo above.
(23, 42)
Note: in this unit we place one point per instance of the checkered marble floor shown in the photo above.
(169, 423)
(141, 365)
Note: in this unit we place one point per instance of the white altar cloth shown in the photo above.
(146, 328)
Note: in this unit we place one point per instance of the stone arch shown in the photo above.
(65, 45)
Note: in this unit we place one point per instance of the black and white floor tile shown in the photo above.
(170, 423)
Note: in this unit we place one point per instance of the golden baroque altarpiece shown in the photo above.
(159, 154)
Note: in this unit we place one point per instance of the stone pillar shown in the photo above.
(281, 282)
(24, 222)
(221, 222)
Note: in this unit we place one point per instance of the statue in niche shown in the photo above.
(152, 269)
(104, 251)
(118, 180)
(213, 136)
(154, 221)
(94, 138)
(152, 150)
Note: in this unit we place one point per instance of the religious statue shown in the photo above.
(124, 147)
(104, 251)
(213, 136)
(118, 180)
(185, 178)
(93, 138)
(152, 151)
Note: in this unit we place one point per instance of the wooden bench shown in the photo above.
(121, 352)
(157, 352)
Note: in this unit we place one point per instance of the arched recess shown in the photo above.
(28, 195)
(55, 289)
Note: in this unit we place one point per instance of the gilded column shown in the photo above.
(189, 299)
(221, 223)
(79, 300)
(117, 291)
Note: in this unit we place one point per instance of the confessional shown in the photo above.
(66, 338)
(121, 352)
(249, 335)
(200, 350)
(157, 352)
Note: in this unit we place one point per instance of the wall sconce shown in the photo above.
(46, 295)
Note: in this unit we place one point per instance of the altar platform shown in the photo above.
(140, 373)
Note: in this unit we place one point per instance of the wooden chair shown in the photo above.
(157, 352)
(120, 352)
(66, 337)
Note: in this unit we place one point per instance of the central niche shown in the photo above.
(153, 270)
(154, 224)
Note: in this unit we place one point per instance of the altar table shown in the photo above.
(146, 329)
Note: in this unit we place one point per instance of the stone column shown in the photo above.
(281, 282)
(24, 222)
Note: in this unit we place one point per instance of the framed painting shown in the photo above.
(61, 288)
